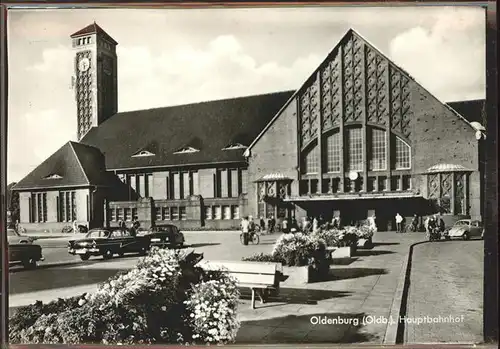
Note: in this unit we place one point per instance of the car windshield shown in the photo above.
(98, 234)
(460, 223)
(167, 229)
(12, 232)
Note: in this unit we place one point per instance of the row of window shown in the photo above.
(38, 207)
(88, 40)
(126, 214)
(222, 212)
(374, 184)
(172, 213)
(66, 207)
(227, 183)
(84, 41)
(354, 155)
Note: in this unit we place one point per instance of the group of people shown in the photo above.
(432, 222)
(134, 226)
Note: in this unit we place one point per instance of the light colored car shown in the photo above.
(465, 229)
(22, 250)
(13, 237)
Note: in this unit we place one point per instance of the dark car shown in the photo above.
(165, 235)
(22, 250)
(107, 242)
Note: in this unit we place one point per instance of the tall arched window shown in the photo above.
(378, 150)
(311, 161)
(355, 149)
(333, 153)
(402, 155)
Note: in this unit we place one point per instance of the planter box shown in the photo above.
(342, 252)
(365, 243)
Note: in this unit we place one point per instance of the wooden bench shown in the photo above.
(260, 277)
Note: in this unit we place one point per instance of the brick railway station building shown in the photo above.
(360, 136)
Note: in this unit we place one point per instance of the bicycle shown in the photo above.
(253, 237)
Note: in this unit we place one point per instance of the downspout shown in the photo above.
(92, 205)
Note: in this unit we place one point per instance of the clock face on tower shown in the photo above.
(84, 64)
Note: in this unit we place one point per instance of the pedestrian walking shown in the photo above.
(306, 225)
(245, 229)
(315, 224)
(262, 223)
(399, 223)
(284, 225)
(372, 222)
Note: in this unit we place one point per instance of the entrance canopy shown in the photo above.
(271, 177)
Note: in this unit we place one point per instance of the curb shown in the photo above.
(394, 333)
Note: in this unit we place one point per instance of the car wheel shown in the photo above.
(255, 239)
(143, 252)
(84, 257)
(465, 236)
(107, 254)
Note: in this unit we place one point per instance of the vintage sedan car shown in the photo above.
(465, 229)
(22, 250)
(165, 235)
(107, 242)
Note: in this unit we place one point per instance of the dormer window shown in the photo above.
(186, 150)
(143, 153)
(233, 146)
(53, 176)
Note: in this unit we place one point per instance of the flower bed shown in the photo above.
(298, 250)
(164, 299)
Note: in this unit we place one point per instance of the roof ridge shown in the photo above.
(209, 101)
(79, 162)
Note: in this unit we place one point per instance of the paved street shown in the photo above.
(364, 287)
(60, 269)
(446, 280)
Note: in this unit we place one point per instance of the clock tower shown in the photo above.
(95, 77)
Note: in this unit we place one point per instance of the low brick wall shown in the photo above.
(49, 227)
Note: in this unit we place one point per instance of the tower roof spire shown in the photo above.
(93, 29)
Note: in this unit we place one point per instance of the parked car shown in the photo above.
(13, 237)
(107, 242)
(166, 235)
(22, 250)
(465, 229)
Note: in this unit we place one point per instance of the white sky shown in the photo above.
(169, 57)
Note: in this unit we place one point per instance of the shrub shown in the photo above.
(262, 257)
(365, 231)
(212, 309)
(148, 304)
(26, 316)
(331, 237)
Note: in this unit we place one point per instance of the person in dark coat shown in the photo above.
(441, 225)
(262, 224)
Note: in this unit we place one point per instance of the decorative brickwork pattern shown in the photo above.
(353, 81)
(309, 113)
(433, 181)
(460, 193)
(331, 93)
(84, 94)
(376, 71)
(401, 112)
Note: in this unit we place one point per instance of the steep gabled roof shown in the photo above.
(93, 29)
(206, 126)
(473, 110)
(71, 165)
(351, 32)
